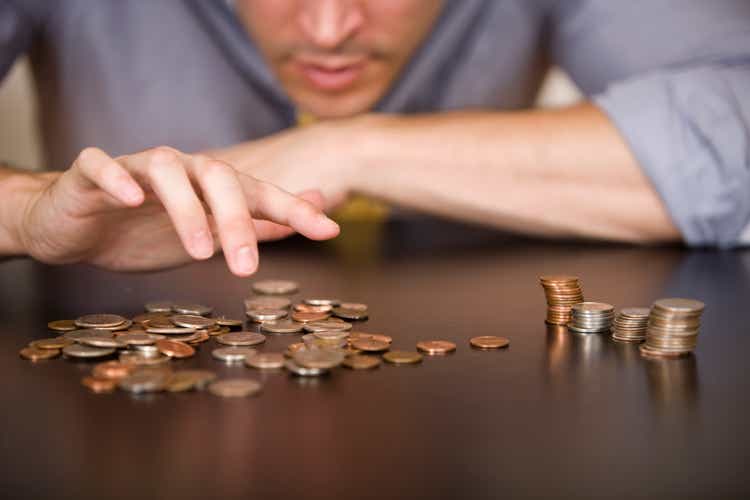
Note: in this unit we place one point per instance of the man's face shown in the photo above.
(336, 58)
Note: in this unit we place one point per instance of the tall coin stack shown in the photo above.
(673, 328)
(562, 293)
(630, 324)
(591, 317)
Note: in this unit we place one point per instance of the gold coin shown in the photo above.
(370, 345)
(62, 325)
(361, 362)
(402, 357)
(433, 347)
(35, 354)
(489, 342)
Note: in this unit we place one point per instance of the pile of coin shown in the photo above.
(672, 328)
(591, 317)
(562, 293)
(630, 324)
(145, 344)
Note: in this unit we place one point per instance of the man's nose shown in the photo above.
(329, 23)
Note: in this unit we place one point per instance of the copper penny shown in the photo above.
(361, 362)
(402, 357)
(111, 370)
(433, 347)
(489, 342)
(292, 348)
(62, 325)
(36, 354)
(99, 385)
(175, 348)
(371, 336)
(51, 343)
(308, 317)
(200, 337)
(370, 345)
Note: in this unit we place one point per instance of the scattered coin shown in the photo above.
(36, 354)
(146, 350)
(218, 331)
(139, 338)
(51, 343)
(224, 321)
(275, 287)
(313, 342)
(292, 348)
(267, 303)
(100, 320)
(370, 345)
(194, 309)
(489, 342)
(231, 354)
(186, 380)
(175, 349)
(266, 361)
(85, 351)
(100, 338)
(162, 306)
(307, 317)
(322, 302)
(99, 385)
(141, 359)
(148, 379)
(261, 315)
(235, 387)
(351, 314)
(307, 308)
(332, 335)
(112, 370)
(198, 338)
(169, 330)
(402, 357)
(318, 358)
(241, 338)
(192, 321)
(281, 326)
(327, 325)
(143, 318)
(62, 325)
(302, 370)
(436, 347)
(370, 336)
(361, 362)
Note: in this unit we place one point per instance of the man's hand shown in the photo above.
(159, 208)
(322, 156)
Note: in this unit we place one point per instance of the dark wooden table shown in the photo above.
(556, 415)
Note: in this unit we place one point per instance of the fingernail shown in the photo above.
(329, 222)
(132, 193)
(245, 259)
(203, 245)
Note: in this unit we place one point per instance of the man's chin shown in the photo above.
(331, 108)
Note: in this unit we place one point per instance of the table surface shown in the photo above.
(556, 415)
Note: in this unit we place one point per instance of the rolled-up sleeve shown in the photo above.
(674, 78)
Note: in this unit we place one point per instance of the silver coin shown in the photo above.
(225, 321)
(146, 380)
(230, 354)
(85, 351)
(322, 302)
(635, 312)
(327, 325)
(332, 335)
(261, 315)
(117, 328)
(140, 359)
(318, 358)
(680, 305)
(266, 361)
(281, 326)
(302, 371)
(313, 342)
(188, 337)
(275, 287)
(147, 350)
(241, 338)
(75, 335)
(267, 303)
(235, 387)
(177, 330)
(185, 380)
(192, 321)
(139, 338)
(162, 306)
(194, 309)
(99, 320)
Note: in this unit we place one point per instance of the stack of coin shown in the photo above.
(630, 324)
(673, 328)
(591, 317)
(562, 293)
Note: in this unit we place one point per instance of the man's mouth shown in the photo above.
(330, 75)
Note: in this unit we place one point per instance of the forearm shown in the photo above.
(562, 173)
(17, 187)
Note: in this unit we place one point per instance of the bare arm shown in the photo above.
(562, 173)
(16, 190)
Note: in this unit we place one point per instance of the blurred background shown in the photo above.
(19, 139)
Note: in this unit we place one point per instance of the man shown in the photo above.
(417, 103)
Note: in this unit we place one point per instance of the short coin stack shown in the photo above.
(630, 324)
(673, 328)
(562, 293)
(591, 317)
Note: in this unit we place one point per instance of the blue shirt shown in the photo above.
(673, 75)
